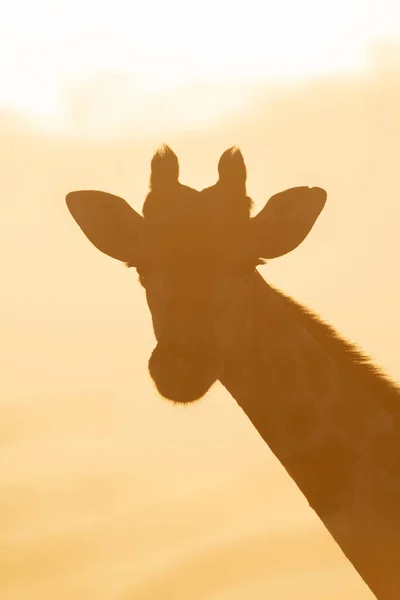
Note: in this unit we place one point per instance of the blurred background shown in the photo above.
(107, 491)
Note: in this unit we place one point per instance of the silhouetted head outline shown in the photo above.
(196, 254)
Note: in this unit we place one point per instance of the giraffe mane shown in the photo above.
(360, 364)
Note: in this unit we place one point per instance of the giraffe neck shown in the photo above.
(333, 421)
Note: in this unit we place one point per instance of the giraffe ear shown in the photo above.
(286, 220)
(107, 221)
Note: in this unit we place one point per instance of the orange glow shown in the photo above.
(107, 491)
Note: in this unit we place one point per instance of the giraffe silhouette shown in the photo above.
(326, 411)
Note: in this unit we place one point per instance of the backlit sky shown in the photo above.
(108, 492)
(47, 46)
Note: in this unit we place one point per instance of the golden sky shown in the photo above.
(109, 492)
(49, 48)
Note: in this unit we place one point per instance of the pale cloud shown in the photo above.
(46, 47)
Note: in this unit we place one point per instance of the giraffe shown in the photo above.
(330, 416)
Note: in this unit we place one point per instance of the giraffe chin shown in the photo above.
(183, 379)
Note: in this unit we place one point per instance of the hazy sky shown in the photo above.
(46, 46)
(98, 473)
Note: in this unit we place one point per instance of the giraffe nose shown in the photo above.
(181, 347)
(184, 341)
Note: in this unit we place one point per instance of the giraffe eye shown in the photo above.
(143, 277)
(249, 274)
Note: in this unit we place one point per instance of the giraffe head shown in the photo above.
(196, 254)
